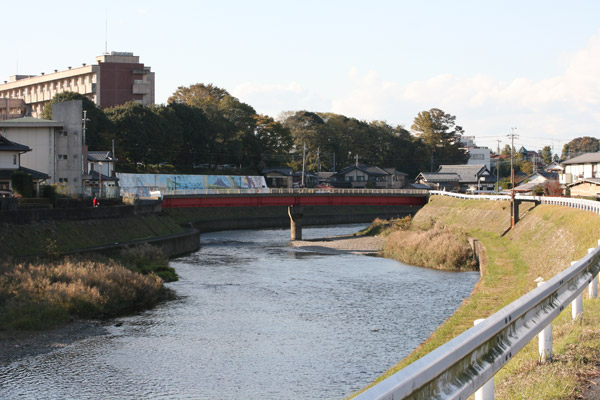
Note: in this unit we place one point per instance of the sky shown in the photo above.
(495, 65)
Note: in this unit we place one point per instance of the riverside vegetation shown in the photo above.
(542, 244)
(433, 246)
(43, 294)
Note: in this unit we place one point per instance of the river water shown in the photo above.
(254, 319)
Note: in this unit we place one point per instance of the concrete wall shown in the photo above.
(69, 170)
(585, 190)
(283, 221)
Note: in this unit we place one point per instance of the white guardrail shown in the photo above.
(467, 364)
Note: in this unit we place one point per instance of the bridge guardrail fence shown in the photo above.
(132, 191)
(466, 363)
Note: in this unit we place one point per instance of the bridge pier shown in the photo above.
(296, 213)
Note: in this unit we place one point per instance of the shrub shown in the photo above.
(39, 296)
(147, 259)
(48, 192)
(439, 248)
(22, 183)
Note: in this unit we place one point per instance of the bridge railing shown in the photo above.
(469, 362)
(141, 191)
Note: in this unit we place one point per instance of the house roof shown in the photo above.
(466, 172)
(369, 170)
(419, 186)
(7, 145)
(94, 177)
(584, 159)
(287, 171)
(394, 171)
(36, 175)
(439, 177)
(29, 122)
(594, 181)
(101, 156)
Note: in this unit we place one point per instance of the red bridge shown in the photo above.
(298, 197)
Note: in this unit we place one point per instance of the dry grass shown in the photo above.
(39, 295)
(439, 247)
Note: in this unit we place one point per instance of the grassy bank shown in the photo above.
(435, 246)
(543, 243)
(42, 295)
(64, 236)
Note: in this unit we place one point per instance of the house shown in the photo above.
(544, 179)
(555, 167)
(10, 161)
(100, 173)
(471, 177)
(438, 181)
(360, 175)
(585, 166)
(56, 145)
(586, 187)
(477, 155)
(531, 156)
(279, 177)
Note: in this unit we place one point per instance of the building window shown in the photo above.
(62, 133)
(14, 159)
(63, 180)
(62, 156)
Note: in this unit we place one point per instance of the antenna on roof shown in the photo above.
(106, 31)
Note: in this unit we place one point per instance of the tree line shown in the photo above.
(203, 126)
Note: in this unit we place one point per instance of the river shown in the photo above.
(257, 319)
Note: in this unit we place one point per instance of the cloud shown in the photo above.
(562, 105)
(272, 99)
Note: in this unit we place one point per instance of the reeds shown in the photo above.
(41, 295)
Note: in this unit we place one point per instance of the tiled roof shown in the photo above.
(7, 145)
(287, 171)
(466, 172)
(7, 173)
(584, 158)
(100, 156)
(595, 181)
(440, 177)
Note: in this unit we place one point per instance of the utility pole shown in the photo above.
(303, 162)
(512, 136)
(498, 166)
(83, 147)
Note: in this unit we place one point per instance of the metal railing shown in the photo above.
(469, 362)
(133, 191)
(581, 204)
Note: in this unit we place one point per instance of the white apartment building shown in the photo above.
(56, 145)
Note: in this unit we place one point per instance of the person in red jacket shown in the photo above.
(95, 202)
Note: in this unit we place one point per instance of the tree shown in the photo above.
(138, 133)
(274, 139)
(580, 146)
(547, 155)
(440, 134)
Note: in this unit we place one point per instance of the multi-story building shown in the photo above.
(477, 155)
(56, 146)
(116, 78)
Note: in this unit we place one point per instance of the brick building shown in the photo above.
(116, 78)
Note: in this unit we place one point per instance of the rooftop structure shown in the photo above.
(116, 78)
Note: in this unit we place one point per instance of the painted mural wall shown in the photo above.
(142, 184)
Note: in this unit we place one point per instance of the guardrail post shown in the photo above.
(486, 392)
(593, 287)
(577, 304)
(545, 340)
